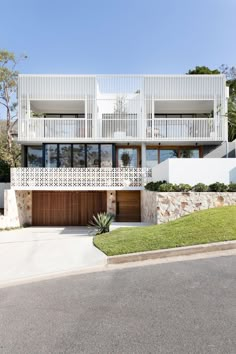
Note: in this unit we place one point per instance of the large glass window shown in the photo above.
(189, 153)
(34, 156)
(168, 154)
(151, 157)
(51, 155)
(92, 155)
(65, 155)
(106, 155)
(78, 155)
(127, 157)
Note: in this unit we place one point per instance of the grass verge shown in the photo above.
(212, 225)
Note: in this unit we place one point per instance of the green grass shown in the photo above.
(212, 225)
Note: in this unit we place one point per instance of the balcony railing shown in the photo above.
(151, 129)
(184, 129)
(24, 178)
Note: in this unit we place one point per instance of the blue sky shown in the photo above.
(119, 36)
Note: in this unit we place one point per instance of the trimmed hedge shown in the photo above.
(163, 186)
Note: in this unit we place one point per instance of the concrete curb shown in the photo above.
(172, 252)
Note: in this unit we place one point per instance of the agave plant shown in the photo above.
(102, 222)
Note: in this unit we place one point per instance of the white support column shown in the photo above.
(153, 108)
(143, 155)
(27, 133)
(216, 119)
(28, 108)
(86, 117)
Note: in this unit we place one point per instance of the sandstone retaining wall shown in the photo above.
(158, 208)
(17, 209)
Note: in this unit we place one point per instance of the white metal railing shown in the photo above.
(26, 178)
(184, 129)
(133, 129)
(54, 128)
(120, 128)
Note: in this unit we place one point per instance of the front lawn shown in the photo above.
(212, 225)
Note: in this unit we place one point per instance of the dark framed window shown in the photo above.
(155, 155)
(65, 155)
(93, 159)
(106, 155)
(71, 155)
(51, 155)
(34, 156)
(79, 156)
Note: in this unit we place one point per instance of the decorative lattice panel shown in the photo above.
(79, 178)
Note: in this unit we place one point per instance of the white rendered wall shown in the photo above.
(161, 172)
(193, 171)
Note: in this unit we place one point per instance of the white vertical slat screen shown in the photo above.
(118, 107)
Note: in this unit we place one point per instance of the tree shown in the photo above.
(8, 86)
(13, 158)
(230, 73)
(203, 70)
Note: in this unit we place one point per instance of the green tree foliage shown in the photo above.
(13, 158)
(230, 73)
(9, 150)
(203, 70)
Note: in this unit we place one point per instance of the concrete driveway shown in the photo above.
(39, 251)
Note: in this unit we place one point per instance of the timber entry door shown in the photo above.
(128, 206)
(69, 208)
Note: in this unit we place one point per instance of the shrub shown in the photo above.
(200, 187)
(4, 171)
(166, 187)
(154, 186)
(102, 222)
(232, 187)
(218, 187)
(182, 187)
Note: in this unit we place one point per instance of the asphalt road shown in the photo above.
(183, 307)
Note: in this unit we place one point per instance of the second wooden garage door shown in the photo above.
(66, 208)
(128, 206)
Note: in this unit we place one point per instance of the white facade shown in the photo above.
(123, 108)
(127, 111)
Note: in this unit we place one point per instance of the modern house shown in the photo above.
(90, 142)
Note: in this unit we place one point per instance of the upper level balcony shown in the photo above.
(161, 108)
(123, 130)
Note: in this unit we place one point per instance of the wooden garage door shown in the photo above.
(66, 208)
(128, 206)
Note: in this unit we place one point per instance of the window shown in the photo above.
(168, 154)
(78, 155)
(34, 156)
(189, 153)
(127, 157)
(70, 155)
(106, 155)
(51, 155)
(65, 155)
(92, 155)
(151, 157)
